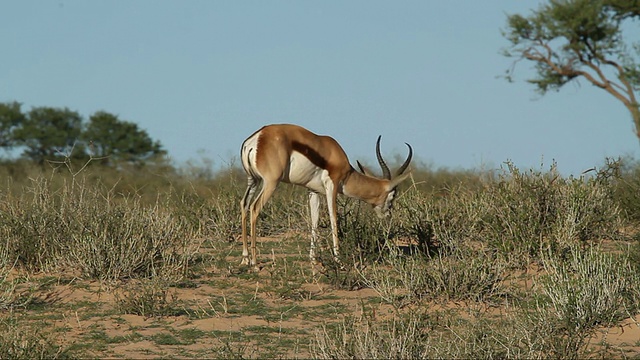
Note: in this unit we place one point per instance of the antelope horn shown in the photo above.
(385, 169)
(406, 162)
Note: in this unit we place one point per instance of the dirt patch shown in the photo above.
(624, 338)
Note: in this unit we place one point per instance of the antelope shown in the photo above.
(292, 154)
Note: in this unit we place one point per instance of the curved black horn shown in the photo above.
(385, 169)
(406, 162)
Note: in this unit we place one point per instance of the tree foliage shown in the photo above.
(111, 137)
(580, 39)
(10, 118)
(48, 133)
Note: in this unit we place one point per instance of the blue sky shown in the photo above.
(200, 76)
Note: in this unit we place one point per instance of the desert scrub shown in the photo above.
(520, 215)
(29, 342)
(148, 298)
(93, 230)
(525, 215)
(435, 336)
(523, 333)
(129, 240)
(210, 203)
(575, 295)
(364, 239)
(466, 274)
(30, 228)
(11, 296)
(360, 337)
(590, 288)
(623, 176)
(7, 290)
(436, 224)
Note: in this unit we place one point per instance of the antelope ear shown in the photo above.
(363, 169)
(398, 179)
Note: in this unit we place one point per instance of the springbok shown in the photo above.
(292, 154)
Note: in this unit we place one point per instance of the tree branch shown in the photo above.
(622, 92)
(569, 39)
(534, 54)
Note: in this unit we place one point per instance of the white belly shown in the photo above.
(303, 172)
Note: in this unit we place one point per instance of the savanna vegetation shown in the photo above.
(129, 261)
(106, 250)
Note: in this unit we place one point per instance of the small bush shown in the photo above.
(466, 275)
(28, 342)
(589, 289)
(521, 215)
(286, 211)
(127, 240)
(437, 225)
(10, 297)
(148, 298)
(362, 338)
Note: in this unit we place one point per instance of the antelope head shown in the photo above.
(384, 203)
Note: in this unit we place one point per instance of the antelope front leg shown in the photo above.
(314, 206)
(245, 251)
(333, 218)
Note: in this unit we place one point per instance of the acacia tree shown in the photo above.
(49, 133)
(573, 39)
(115, 139)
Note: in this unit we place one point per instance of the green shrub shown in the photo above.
(527, 215)
(589, 289)
(436, 225)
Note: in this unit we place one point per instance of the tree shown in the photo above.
(50, 133)
(10, 118)
(116, 139)
(579, 39)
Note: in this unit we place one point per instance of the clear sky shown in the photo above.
(200, 76)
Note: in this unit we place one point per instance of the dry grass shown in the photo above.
(508, 264)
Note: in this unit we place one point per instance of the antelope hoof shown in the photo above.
(245, 261)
